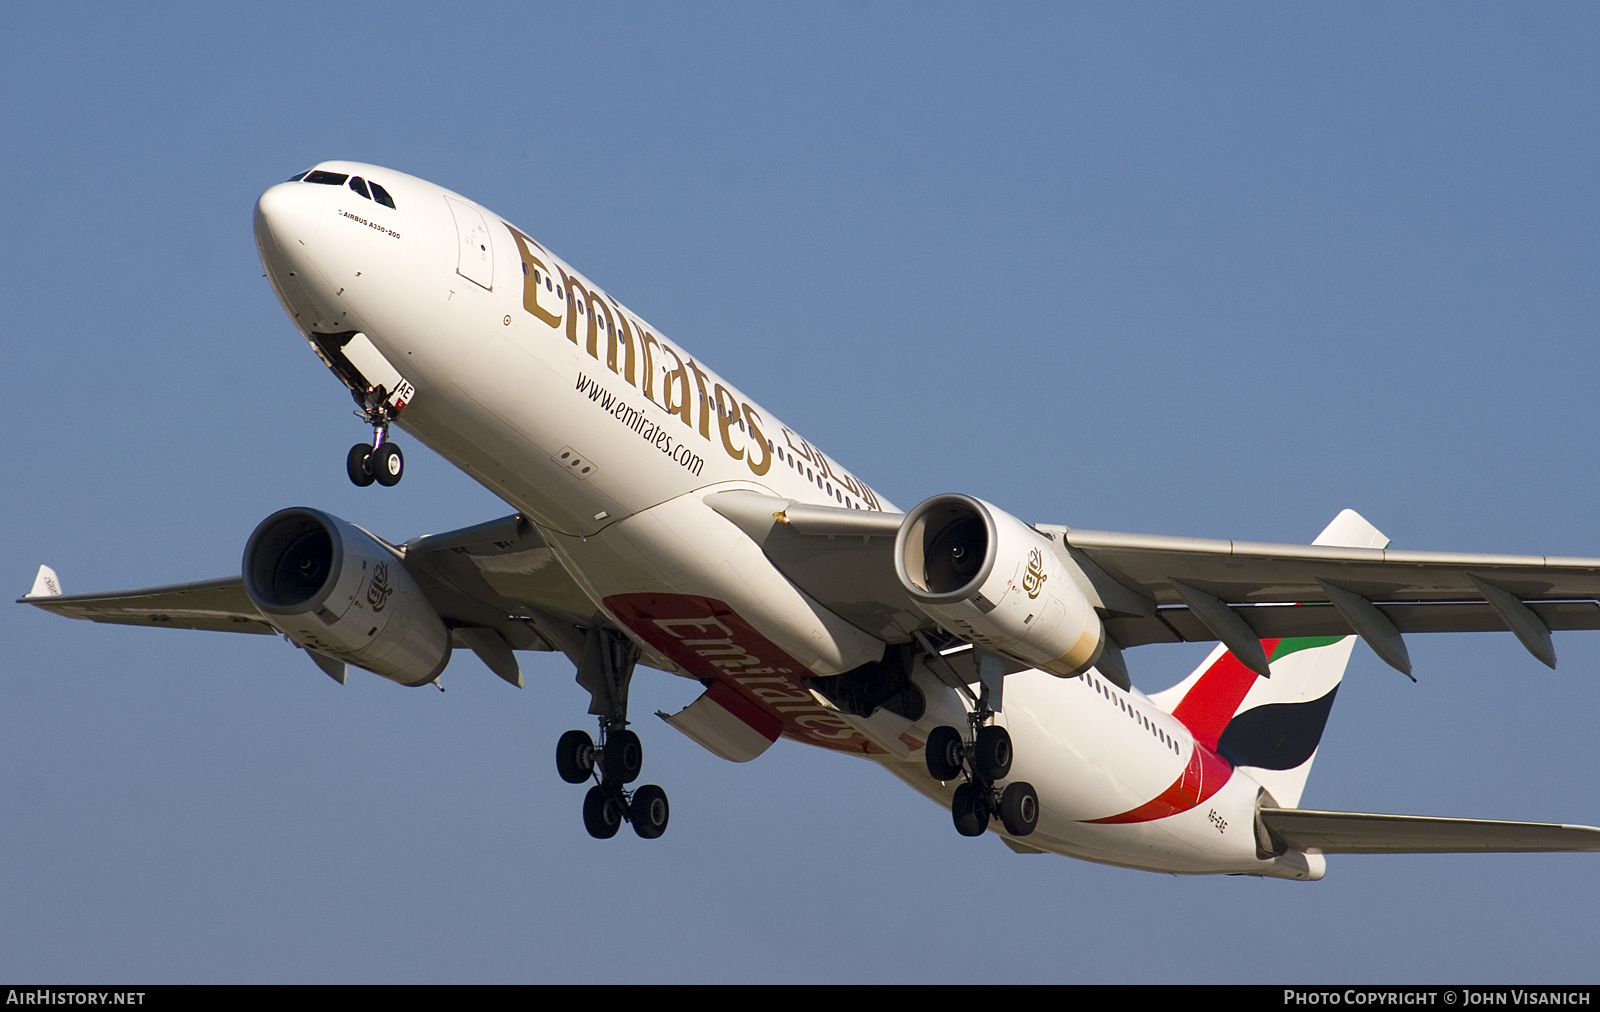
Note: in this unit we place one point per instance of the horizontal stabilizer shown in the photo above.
(1364, 833)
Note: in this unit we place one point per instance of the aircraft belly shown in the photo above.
(683, 548)
(695, 589)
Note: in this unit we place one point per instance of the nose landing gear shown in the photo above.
(978, 760)
(381, 461)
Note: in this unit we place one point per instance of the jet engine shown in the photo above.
(331, 587)
(987, 577)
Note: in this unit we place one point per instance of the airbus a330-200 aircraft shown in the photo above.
(664, 518)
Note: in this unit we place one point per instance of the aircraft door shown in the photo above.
(475, 260)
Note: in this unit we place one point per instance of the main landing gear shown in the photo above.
(978, 760)
(380, 461)
(605, 670)
(615, 762)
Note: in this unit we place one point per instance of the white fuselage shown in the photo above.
(607, 435)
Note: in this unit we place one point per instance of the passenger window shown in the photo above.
(360, 186)
(326, 178)
(382, 196)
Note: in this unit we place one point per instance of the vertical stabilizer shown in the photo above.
(1271, 727)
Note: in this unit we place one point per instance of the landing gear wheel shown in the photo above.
(1019, 808)
(991, 752)
(388, 464)
(968, 810)
(575, 757)
(943, 754)
(623, 756)
(649, 811)
(602, 812)
(357, 466)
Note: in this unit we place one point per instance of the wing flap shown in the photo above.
(1366, 833)
(1179, 625)
(726, 724)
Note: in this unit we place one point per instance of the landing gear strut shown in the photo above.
(978, 760)
(605, 670)
(381, 461)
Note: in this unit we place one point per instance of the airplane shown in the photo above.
(663, 518)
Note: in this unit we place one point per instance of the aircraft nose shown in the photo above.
(283, 219)
(286, 224)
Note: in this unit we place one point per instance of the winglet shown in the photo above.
(46, 584)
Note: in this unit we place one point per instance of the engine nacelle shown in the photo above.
(989, 578)
(331, 587)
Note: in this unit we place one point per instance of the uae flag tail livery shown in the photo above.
(1270, 727)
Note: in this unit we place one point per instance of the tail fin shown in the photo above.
(1272, 726)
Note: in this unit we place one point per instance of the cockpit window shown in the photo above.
(296, 177)
(360, 186)
(382, 196)
(328, 178)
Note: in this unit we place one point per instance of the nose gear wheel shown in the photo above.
(381, 460)
(358, 464)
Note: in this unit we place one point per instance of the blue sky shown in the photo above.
(1213, 271)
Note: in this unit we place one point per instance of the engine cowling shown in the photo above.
(989, 578)
(331, 587)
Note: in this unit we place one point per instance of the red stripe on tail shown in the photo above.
(1213, 700)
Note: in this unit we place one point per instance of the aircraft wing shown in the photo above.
(502, 575)
(499, 575)
(1155, 589)
(217, 605)
(1363, 833)
(1414, 591)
